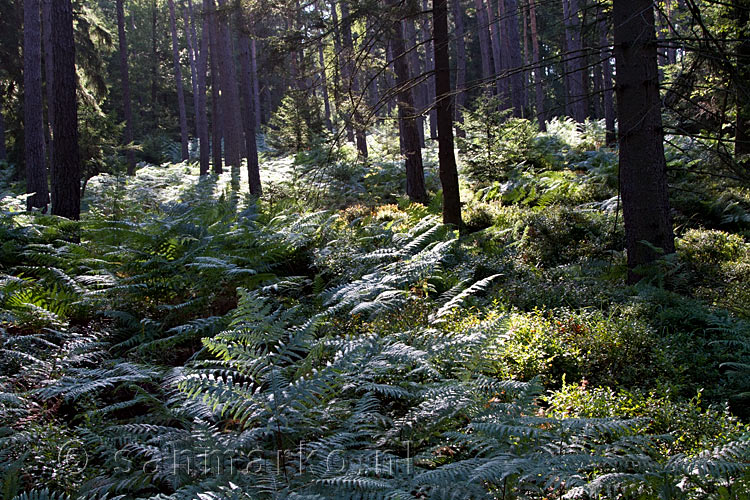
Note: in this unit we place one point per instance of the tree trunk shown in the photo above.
(342, 61)
(484, 40)
(643, 175)
(420, 97)
(33, 109)
(48, 74)
(232, 126)
(460, 102)
(324, 87)
(217, 133)
(201, 116)
(429, 65)
(409, 134)
(349, 75)
(742, 126)
(192, 43)
(154, 65)
(576, 91)
(446, 155)
(66, 167)
(538, 85)
(248, 114)
(256, 86)
(125, 76)
(509, 17)
(609, 100)
(499, 58)
(3, 150)
(178, 81)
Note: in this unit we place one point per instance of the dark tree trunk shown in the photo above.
(191, 36)
(446, 156)
(48, 75)
(178, 81)
(66, 167)
(324, 87)
(509, 16)
(643, 178)
(499, 57)
(609, 99)
(352, 79)
(429, 66)
(33, 109)
(125, 76)
(576, 90)
(217, 133)
(256, 86)
(484, 39)
(248, 114)
(742, 129)
(339, 71)
(3, 150)
(390, 82)
(154, 65)
(232, 126)
(460, 102)
(420, 97)
(409, 134)
(538, 85)
(201, 117)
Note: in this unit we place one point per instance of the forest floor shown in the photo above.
(333, 340)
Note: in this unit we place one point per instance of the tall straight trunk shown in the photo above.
(526, 55)
(509, 18)
(48, 74)
(538, 85)
(232, 125)
(201, 112)
(460, 92)
(420, 97)
(643, 176)
(672, 49)
(408, 132)
(353, 80)
(248, 114)
(607, 88)
(446, 155)
(484, 39)
(390, 83)
(125, 76)
(178, 81)
(742, 124)
(429, 65)
(576, 94)
(66, 167)
(3, 150)
(256, 86)
(339, 70)
(192, 43)
(217, 132)
(33, 110)
(324, 87)
(499, 59)
(154, 65)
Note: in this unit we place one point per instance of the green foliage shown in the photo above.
(297, 125)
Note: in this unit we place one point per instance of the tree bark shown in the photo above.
(33, 109)
(420, 97)
(576, 90)
(232, 126)
(66, 167)
(609, 100)
(484, 39)
(191, 36)
(446, 155)
(353, 80)
(256, 86)
(509, 17)
(154, 65)
(460, 102)
(125, 77)
(248, 114)
(409, 134)
(538, 85)
(48, 75)
(178, 81)
(3, 150)
(324, 87)
(201, 116)
(499, 57)
(429, 65)
(643, 178)
(340, 71)
(217, 133)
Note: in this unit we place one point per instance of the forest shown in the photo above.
(374, 249)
